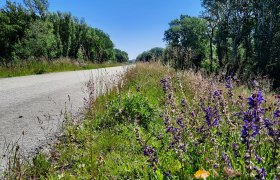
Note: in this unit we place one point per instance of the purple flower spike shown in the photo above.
(228, 83)
(183, 103)
(258, 158)
(263, 173)
(192, 113)
(212, 117)
(180, 123)
(276, 114)
(255, 100)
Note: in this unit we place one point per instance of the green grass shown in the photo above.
(42, 67)
(110, 141)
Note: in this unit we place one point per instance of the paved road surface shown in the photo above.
(25, 99)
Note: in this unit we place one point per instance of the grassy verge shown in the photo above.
(42, 67)
(166, 125)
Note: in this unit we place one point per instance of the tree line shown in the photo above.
(31, 32)
(240, 37)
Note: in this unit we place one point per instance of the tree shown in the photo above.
(187, 36)
(31, 32)
(14, 19)
(39, 7)
(39, 41)
(210, 14)
(121, 56)
(154, 54)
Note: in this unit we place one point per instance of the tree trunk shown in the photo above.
(234, 50)
(211, 51)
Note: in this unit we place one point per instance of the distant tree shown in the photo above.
(121, 56)
(30, 31)
(154, 54)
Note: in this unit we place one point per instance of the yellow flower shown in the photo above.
(201, 174)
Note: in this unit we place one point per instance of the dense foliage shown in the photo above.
(121, 56)
(245, 35)
(187, 41)
(31, 32)
(240, 37)
(154, 54)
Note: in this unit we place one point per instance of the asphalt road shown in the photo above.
(32, 107)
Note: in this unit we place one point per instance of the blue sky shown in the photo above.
(133, 25)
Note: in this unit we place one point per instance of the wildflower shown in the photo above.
(276, 114)
(245, 131)
(172, 130)
(218, 93)
(165, 84)
(148, 150)
(252, 117)
(235, 150)
(229, 87)
(224, 157)
(183, 103)
(277, 97)
(261, 174)
(152, 154)
(201, 174)
(166, 119)
(180, 123)
(269, 127)
(192, 113)
(211, 114)
(228, 83)
(182, 147)
(167, 174)
(258, 158)
(255, 100)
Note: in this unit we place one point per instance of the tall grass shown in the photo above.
(42, 67)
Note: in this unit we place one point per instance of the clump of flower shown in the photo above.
(209, 130)
(253, 123)
(211, 116)
(229, 87)
(151, 153)
(253, 118)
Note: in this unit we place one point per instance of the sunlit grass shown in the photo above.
(42, 67)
